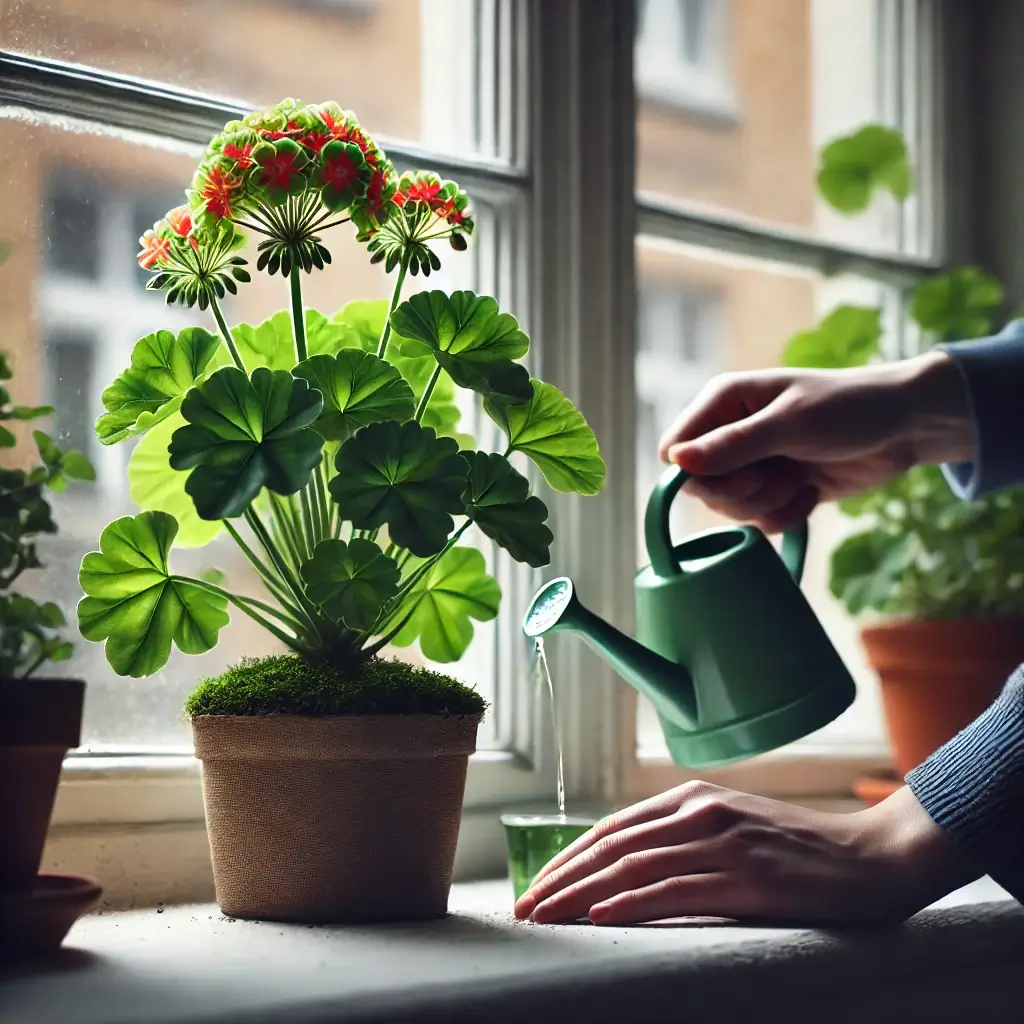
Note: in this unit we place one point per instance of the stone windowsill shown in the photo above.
(959, 960)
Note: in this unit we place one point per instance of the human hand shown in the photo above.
(766, 446)
(702, 851)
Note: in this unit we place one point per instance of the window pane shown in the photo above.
(737, 97)
(752, 311)
(446, 74)
(70, 329)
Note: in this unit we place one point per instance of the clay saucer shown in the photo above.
(35, 923)
(873, 789)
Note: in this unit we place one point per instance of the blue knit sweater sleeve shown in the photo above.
(974, 785)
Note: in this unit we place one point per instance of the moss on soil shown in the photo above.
(284, 684)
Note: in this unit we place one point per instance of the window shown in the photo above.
(736, 253)
(682, 54)
(530, 106)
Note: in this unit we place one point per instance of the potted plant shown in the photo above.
(40, 717)
(943, 578)
(326, 447)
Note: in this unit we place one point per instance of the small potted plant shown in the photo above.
(942, 578)
(40, 717)
(326, 447)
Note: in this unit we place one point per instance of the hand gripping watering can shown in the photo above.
(728, 649)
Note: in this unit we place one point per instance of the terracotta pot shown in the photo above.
(40, 720)
(352, 818)
(937, 676)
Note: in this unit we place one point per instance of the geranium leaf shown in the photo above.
(155, 487)
(469, 337)
(244, 434)
(498, 500)
(162, 369)
(351, 581)
(366, 320)
(358, 389)
(134, 603)
(554, 434)
(405, 477)
(456, 590)
(272, 345)
(854, 166)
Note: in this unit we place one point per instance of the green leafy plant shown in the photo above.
(921, 551)
(29, 629)
(326, 446)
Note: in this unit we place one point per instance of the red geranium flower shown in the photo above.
(154, 250)
(242, 155)
(219, 191)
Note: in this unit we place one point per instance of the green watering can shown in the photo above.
(728, 649)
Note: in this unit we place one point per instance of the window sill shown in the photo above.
(956, 961)
(136, 823)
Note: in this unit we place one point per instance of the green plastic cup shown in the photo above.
(533, 840)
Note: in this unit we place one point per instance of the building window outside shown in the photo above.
(682, 54)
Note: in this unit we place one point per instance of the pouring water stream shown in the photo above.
(542, 675)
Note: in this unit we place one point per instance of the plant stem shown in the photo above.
(273, 582)
(35, 664)
(241, 603)
(284, 528)
(307, 520)
(409, 585)
(298, 319)
(308, 608)
(385, 334)
(323, 508)
(425, 398)
(225, 333)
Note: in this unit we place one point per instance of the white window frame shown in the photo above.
(146, 811)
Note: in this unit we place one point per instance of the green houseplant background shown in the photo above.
(920, 552)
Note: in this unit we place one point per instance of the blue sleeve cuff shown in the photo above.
(993, 372)
(973, 787)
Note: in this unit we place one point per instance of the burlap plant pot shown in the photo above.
(351, 818)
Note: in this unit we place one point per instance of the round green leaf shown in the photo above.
(469, 337)
(155, 487)
(352, 581)
(456, 590)
(366, 319)
(848, 336)
(358, 389)
(244, 434)
(271, 343)
(854, 166)
(498, 500)
(134, 603)
(162, 369)
(405, 477)
(554, 434)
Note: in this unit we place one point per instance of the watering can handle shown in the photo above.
(659, 536)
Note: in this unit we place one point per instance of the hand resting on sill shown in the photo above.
(703, 851)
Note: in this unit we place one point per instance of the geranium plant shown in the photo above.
(326, 446)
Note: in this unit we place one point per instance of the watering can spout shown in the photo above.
(667, 685)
